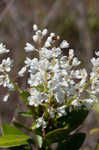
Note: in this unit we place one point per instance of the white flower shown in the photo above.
(6, 65)
(36, 79)
(75, 102)
(40, 122)
(35, 27)
(88, 102)
(97, 53)
(29, 47)
(39, 33)
(71, 53)
(3, 49)
(34, 66)
(47, 44)
(56, 51)
(35, 38)
(64, 44)
(59, 94)
(34, 98)
(6, 97)
(44, 32)
(33, 101)
(28, 62)
(95, 61)
(45, 53)
(4, 80)
(49, 39)
(51, 112)
(75, 61)
(22, 71)
(52, 34)
(61, 111)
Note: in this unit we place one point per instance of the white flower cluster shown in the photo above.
(54, 78)
(5, 68)
(3, 49)
(55, 82)
(95, 74)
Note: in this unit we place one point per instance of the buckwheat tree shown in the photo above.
(58, 96)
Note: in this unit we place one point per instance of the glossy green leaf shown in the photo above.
(24, 147)
(71, 122)
(25, 114)
(74, 142)
(74, 118)
(13, 140)
(10, 130)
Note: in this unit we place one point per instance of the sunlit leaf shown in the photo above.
(10, 130)
(13, 140)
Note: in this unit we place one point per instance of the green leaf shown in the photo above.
(10, 130)
(74, 142)
(25, 114)
(55, 135)
(74, 118)
(19, 125)
(77, 117)
(12, 137)
(24, 147)
(13, 140)
(71, 122)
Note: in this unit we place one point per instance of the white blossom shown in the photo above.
(52, 34)
(35, 27)
(75, 61)
(47, 44)
(29, 47)
(44, 32)
(64, 44)
(97, 53)
(5, 81)
(35, 38)
(61, 111)
(56, 51)
(22, 71)
(3, 49)
(5, 99)
(71, 53)
(6, 65)
(56, 79)
(40, 122)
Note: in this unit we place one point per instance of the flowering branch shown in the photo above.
(59, 93)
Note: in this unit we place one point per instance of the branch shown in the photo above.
(53, 13)
(80, 17)
(9, 4)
